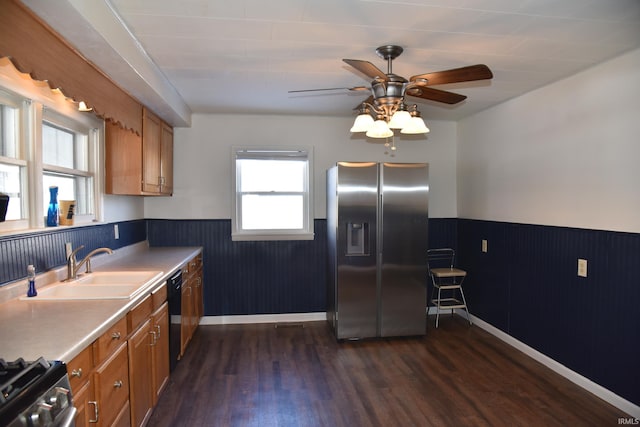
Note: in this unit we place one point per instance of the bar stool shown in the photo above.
(445, 277)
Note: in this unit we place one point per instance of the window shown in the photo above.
(45, 141)
(66, 165)
(12, 162)
(272, 194)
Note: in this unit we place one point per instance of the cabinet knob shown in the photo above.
(117, 384)
(155, 338)
(77, 373)
(116, 336)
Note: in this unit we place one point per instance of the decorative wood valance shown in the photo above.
(36, 49)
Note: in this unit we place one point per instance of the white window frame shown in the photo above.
(37, 102)
(61, 121)
(10, 99)
(272, 153)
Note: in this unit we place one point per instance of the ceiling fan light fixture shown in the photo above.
(363, 123)
(380, 129)
(400, 118)
(415, 126)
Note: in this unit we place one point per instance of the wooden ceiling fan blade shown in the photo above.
(355, 88)
(367, 68)
(435, 95)
(456, 75)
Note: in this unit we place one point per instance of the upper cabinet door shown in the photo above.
(166, 160)
(151, 146)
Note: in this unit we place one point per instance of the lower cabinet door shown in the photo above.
(84, 411)
(112, 386)
(141, 398)
(123, 419)
(160, 353)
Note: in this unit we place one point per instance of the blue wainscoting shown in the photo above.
(527, 286)
(46, 249)
(264, 277)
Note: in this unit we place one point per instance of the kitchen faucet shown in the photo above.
(73, 266)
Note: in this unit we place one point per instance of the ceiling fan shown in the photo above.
(388, 90)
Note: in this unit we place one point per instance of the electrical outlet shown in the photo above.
(116, 232)
(484, 246)
(582, 267)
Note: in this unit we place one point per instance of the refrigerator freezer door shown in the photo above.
(403, 249)
(357, 210)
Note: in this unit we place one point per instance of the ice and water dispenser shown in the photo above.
(357, 238)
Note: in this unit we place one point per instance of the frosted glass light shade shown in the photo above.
(415, 126)
(363, 123)
(380, 129)
(399, 119)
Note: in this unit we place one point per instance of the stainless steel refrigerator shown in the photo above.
(377, 216)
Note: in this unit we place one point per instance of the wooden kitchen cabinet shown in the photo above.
(160, 351)
(123, 160)
(112, 387)
(116, 381)
(166, 159)
(101, 395)
(192, 300)
(81, 399)
(157, 155)
(148, 355)
(140, 374)
(80, 370)
(186, 312)
(139, 165)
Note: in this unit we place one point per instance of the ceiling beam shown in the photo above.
(98, 32)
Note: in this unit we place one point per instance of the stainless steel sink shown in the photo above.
(99, 286)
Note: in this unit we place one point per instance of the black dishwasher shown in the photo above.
(174, 291)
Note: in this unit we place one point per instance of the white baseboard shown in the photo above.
(263, 318)
(603, 393)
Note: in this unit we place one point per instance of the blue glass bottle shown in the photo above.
(53, 216)
(31, 277)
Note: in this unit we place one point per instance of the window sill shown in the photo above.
(245, 237)
(23, 231)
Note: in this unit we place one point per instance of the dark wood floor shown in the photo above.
(262, 375)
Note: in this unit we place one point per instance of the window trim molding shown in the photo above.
(260, 235)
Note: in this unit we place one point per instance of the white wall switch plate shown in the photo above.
(484, 246)
(582, 267)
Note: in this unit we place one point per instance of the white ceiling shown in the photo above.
(242, 56)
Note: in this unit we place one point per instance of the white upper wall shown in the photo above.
(202, 159)
(566, 154)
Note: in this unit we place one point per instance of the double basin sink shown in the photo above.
(99, 286)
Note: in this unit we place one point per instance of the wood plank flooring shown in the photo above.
(298, 375)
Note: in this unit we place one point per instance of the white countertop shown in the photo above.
(59, 330)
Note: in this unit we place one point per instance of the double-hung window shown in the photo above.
(272, 197)
(13, 163)
(67, 154)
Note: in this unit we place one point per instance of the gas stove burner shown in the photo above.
(18, 375)
(34, 393)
